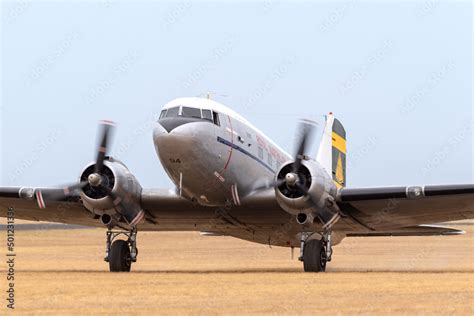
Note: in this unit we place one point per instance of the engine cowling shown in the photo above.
(312, 195)
(119, 180)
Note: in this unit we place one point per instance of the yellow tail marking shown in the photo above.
(339, 174)
(339, 143)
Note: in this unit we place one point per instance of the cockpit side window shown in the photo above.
(215, 117)
(173, 112)
(163, 114)
(191, 112)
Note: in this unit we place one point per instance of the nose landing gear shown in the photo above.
(120, 254)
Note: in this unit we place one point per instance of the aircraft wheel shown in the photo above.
(314, 256)
(119, 257)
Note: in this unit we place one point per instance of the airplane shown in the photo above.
(232, 180)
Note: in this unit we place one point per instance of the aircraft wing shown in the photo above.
(164, 209)
(395, 211)
(156, 203)
(386, 208)
(70, 211)
(258, 218)
(57, 212)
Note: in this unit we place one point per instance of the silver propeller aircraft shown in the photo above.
(233, 180)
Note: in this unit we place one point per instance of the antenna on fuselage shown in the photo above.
(210, 94)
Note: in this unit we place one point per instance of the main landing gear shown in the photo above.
(120, 254)
(315, 253)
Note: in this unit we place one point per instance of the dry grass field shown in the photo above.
(62, 272)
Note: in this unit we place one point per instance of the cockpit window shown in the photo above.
(216, 118)
(184, 111)
(173, 112)
(191, 112)
(163, 114)
(207, 115)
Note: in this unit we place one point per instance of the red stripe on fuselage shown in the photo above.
(232, 148)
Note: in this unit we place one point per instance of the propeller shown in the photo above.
(298, 181)
(292, 181)
(98, 181)
(69, 191)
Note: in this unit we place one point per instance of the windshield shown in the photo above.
(185, 111)
(191, 112)
(173, 112)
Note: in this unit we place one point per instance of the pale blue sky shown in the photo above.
(397, 74)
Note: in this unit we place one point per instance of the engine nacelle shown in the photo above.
(316, 182)
(119, 180)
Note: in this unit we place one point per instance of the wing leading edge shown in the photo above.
(394, 211)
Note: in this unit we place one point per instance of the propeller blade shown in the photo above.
(117, 200)
(68, 190)
(268, 185)
(304, 190)
(327, 217)
(306, 129)
(107, 128)
(132, 217)
(57, 194)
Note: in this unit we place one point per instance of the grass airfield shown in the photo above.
(62, 272)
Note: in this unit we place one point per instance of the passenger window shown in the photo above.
(207, 115)
(191, 112)
(173, 112)
(270, 159)
(215, 116)
(163, 114)
(260, 153)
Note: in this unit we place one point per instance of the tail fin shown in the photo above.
(332, 150)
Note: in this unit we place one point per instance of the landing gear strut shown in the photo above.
(314, 253)
(120, 254)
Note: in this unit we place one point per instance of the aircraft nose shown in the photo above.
(159, 130)
(166, 131)
(169, 124)
(172, 123)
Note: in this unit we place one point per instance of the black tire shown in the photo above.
(119, 257)
(314, 256)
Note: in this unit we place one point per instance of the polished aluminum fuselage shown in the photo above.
(217, 164)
